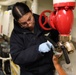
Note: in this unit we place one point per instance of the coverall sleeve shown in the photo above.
(22, 56)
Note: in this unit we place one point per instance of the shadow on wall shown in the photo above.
(73, 32)
(74, 43)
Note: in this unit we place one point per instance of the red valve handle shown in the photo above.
(46, 20)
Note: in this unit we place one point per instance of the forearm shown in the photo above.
(26, 56)
(60, 70)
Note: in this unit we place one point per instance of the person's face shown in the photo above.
(27, 21)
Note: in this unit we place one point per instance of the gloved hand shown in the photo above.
(45, 47)
(58, 54)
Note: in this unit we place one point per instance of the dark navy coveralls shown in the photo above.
(24, 50)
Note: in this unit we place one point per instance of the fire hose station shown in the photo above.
(61, 19)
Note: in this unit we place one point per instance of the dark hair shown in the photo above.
(19, 9)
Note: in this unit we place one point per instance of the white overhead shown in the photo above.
(9, 2)
(62, 1)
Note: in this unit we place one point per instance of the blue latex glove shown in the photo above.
(45, 47)
(54, 51)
